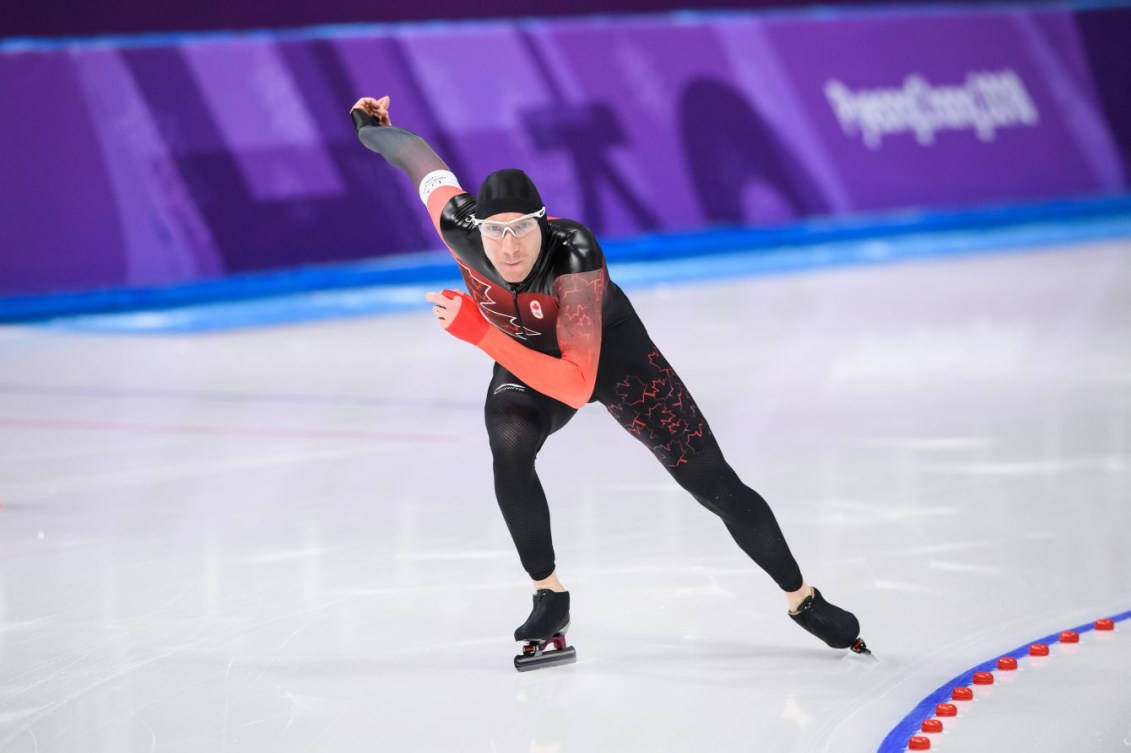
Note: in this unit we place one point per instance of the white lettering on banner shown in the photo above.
(985, 103)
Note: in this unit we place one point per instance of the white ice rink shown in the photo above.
(284, 540)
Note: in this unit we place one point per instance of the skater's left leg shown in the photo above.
(641, 390)
(701, 469)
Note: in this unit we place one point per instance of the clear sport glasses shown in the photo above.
(519, 227)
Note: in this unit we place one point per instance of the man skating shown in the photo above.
(562, 334)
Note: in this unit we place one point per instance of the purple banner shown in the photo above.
(1105, 34)
(157, 165)
(82, 17)
(950, 111)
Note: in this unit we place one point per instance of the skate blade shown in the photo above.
(524, 663)
(859, 647)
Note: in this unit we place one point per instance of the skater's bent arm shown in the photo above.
(570, 378)
(407, 152)
(579, 286)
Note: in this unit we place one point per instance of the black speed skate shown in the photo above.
(835, 626)
(544, 633)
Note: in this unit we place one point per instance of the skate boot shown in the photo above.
(544, 633)
(830, 623)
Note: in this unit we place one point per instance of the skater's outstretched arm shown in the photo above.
(407, 152)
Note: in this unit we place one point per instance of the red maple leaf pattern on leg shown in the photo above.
(657, 409)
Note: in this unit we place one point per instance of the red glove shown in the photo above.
(469, 324)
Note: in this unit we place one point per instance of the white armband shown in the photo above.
(434, 180)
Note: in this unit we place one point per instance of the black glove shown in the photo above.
(361, 119)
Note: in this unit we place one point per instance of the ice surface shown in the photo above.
(286, 539)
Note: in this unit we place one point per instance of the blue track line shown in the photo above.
(635, 264)
(896, 741)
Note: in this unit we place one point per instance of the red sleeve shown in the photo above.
(570, 378)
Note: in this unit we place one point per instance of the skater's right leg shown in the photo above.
(549, 584)
(519, 420)
(544, 633)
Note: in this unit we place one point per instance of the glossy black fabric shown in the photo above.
(528, 310)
